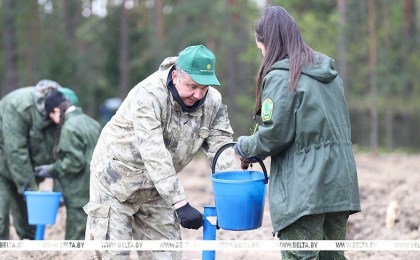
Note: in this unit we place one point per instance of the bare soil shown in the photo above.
(390, 193)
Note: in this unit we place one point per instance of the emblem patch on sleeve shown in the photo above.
(204, 132)
(267, 109)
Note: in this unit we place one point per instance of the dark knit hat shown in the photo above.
(53, 100)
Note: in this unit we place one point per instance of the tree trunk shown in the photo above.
(389, 106)
(232, 72)
(71, 14)
(123, 56)
(159, 19)
(409, 36)
(372, 77)
(159, 28)
(10, 80)
(417, 3)
(32, 46)
(342, 42)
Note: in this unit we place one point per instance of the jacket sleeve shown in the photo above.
(276, 132)
(72, 157)
(156, 158)
(16, 127)
(220, 133)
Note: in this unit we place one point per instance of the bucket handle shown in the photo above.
(224, 147)
(29, 179)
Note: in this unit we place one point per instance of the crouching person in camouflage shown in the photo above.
(26, 140)
(162, 124)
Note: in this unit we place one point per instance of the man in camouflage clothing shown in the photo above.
(161, 125)
(26, 140)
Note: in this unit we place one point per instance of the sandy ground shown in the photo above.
(390, 192)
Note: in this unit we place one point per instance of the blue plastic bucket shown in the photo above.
(239, 198)
(42, 206)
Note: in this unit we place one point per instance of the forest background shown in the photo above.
(103, 48)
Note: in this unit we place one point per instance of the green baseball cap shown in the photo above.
(70, 95)
(199, 62)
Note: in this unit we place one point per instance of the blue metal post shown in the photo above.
(39, 233)
(209, 231)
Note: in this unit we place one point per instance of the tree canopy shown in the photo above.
(103, 48)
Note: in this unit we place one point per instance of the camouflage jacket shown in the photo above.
(150, 139)
(78, 138)
(26, 138)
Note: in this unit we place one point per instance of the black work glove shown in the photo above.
(42, 172)
(189, 217)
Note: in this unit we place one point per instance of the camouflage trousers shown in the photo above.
(327, 226)
(11, 201)
(145, 216)
(75, 223)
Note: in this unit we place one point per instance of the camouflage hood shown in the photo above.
(42, 88)
(167, 63)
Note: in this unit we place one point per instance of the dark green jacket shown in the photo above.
(307, 134)
(26, 138)
(78, 138)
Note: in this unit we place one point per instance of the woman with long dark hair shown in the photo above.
(306, 130)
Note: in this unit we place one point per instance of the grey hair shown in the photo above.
(181, 71)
